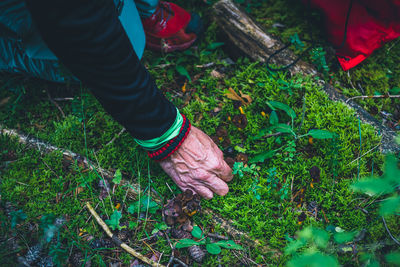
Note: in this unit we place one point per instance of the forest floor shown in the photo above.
(295, 156)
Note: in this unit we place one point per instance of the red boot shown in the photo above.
(166, 29)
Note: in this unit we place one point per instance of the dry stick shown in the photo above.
(119, 242)
(227, 225)
(372, 96)
(115, 137)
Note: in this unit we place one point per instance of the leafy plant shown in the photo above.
(144, 204)
(117, 177)
(113, 222)
(290, 148)
(17, 217)
(318, 58)
(212, 248)
(159, 227)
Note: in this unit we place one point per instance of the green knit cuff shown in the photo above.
(158, 142)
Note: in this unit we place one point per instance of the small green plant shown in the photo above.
(285, 128)
(318, 58)
(240, 169)
(113, 222)
(211, 247)
(159, 227)
(17, 217)
(143, 205)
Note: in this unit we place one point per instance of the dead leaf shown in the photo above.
(216, 74)
(5, 101)
(79, 189)
(245, 99)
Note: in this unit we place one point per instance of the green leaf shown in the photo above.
(273, 118)
(240, 149)
(117, 177)
(185, 243)
(373, 186)
(133, 225)
(394, 91)
(319, 236)
(263, 156)
(114, 220)
(316, 259)
(229, 244)
(283, 128)
(213, 249)
(182, 71)
(17, 217)
(215, 45)
(320, 134)
(144, 204)
(344, 237)
(390, 206)
(159, 227)
(393, 258)
(278, 105)
(392, 172)
(197, 233)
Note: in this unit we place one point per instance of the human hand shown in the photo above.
(199, 165)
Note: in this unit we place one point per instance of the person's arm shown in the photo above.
(88, 38)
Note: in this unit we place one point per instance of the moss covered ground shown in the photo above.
(270, 200)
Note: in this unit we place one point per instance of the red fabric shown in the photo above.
(371, 24)
(167, 20)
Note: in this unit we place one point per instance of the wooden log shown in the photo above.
(251, 40)
(248, 38)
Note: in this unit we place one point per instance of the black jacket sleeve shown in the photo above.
(88, 38)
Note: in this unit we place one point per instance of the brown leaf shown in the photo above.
(5, 101)
(245, 99)
(216, 74)
(79, 189)
(231, 94)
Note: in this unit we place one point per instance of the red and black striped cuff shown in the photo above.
(169, 148)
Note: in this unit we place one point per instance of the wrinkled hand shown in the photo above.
(199, 165)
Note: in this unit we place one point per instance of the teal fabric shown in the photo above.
(146, 8)
(22, 50)
(159, 142)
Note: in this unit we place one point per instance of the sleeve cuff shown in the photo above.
(172, 145)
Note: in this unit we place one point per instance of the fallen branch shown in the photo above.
(118, 241)
(372, 96)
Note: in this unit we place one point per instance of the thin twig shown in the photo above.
(375, 147)
(170, 189)
(181, 262)
(63, 98)
(390, 234)
(119, 242)
(115, 137)
(372, 96)
(55, 103)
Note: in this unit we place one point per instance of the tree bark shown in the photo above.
(251, 40)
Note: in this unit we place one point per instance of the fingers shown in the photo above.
(224, 171)
(203, 191)
(216, 185)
